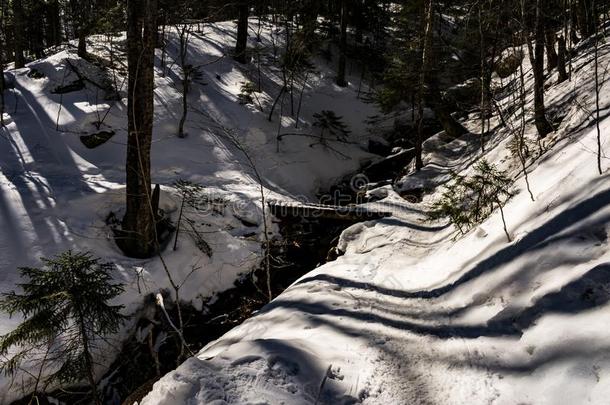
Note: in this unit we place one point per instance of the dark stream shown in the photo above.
(305, 244)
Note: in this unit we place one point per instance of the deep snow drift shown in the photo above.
(413, 313)
(55, 193)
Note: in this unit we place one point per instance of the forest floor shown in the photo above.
(411, 313)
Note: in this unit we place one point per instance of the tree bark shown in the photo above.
(537, 58)
(242, 32)
(551, 55)
(3, 40)
(426, 44)
(184, 33)
(342, 46)
(80, 13)
(2, 85)
(584, 15)
(53, 31)
(19, 29)
(138, 222)
(82, 45)
(561, 60)
(36, 33)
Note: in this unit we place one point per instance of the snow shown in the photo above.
(411, 313)
(414, 313)
(55, 194)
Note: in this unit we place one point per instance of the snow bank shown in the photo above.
(415, 314)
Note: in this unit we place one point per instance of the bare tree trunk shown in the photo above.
(522, 125)
(53, 33)
(426, 43)
(138, 222)
(596, 70)
(482, 78)
(296, 121)
(80, 10)
(3, 40)
(585, 17)
(2, 86)
(551, 55)
(19, 29)
(537, 57)
(184, 33)
(503, 221)
(342, 46)
(242, 32)
(82, 44)
(561, 60)
(185, 92)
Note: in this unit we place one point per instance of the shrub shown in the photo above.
(468, 201)
(246, 91)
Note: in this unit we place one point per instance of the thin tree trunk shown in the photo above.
(80, 15)
(88, 360)
(163, 45)
(2, 46)
(551, 55)
(296, 121)
(522, 127)
(426, 43)
(185, 92)
(2, 83)
(342, 46)
(138, 224)
(561, 60)
(2, 86)
(504, 221)
(585, 17)
(184, 33)
(537, 58)
(596, 69)
(482, 78)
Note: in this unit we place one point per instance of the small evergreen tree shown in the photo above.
(248, 94)
(468, 201)
(66, 313)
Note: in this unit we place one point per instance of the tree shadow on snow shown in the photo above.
(590, 291)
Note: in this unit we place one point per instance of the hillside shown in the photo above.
(415, 313)
(56, 193)
(370, 202)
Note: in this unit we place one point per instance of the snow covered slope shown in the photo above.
(414, 314)
(55, 193)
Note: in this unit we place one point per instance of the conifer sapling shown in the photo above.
(468, 201)
(66, 311)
